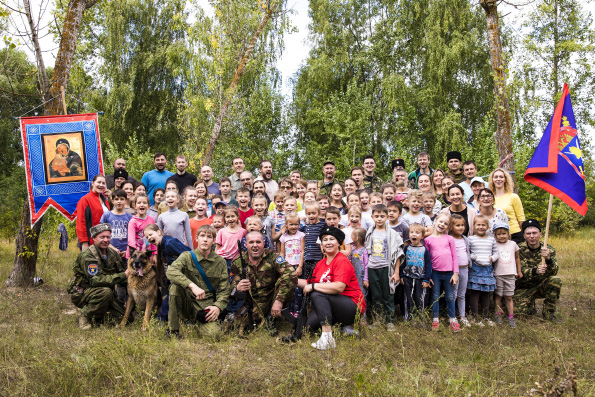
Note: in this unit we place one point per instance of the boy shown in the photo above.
(416, 272)
(254, 223)
(375, 199)
(323, 203)
(158, 197)
(225, 188)
(333, 218)
(259, 205)
(395, 209)
(278, 214)
(218, 222)
(431, 206)
(414, 215)
(118, 219)
(312, 186)
(243, 199)
(388, 191)
(385, 252)
(200, 208)
(313, 226)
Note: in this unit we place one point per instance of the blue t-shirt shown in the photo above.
(213, 190)
(119, 224)
(153, 180)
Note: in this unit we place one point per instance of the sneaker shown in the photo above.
(512, 322)
(465, 322)
(435, 325)
(490, 322)
(348, 330)
(480, 324)
(390, 327)
(498, 318)
(455, 327)
(84, 322)
(325, 342)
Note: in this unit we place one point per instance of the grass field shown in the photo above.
(42, 351)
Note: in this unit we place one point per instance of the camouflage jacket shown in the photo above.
(272, 279)
(183, 271)
(530, 259)
(91, 269)
(372, 182)
(458, 177)
(325, 188)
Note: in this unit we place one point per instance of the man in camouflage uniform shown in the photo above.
(328, 171)
(370, 181)
(97, 271)
(453, 161)
(189, 293)
(538, 281)
(269, 279)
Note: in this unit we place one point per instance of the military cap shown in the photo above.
(100, 228)
(121, 174)
(397, 163)
(328, 162)
(454, 155)
(531, 223)
(332, 231)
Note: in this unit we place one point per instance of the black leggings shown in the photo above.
(477, 298)
(330, 309)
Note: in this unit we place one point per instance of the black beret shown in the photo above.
(531, 223)
(454, 155)
(333, 231)
(397, 163)
(120, 174)
(62, 141)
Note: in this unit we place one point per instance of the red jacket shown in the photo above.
(88, 214)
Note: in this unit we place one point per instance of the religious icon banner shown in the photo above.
(62, 155)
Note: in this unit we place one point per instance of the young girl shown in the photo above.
(174, 222)
(388, 191)
(507, 271)
(359, 257)
(354, 219)
(190, 196)
(292, 246)
(445, 270)
(228, 237)
(170, 186)
(201, 189)
(200, 218)
(457, 229)
(337, 194)
(300, 189)
(136, 226)
(309, 197)
(401, 191)
(140, 188)
(158, 196)
(253, 223)
(364, 198)
(481, 275)
(128, 187)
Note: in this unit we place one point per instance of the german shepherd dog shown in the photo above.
(143, 282)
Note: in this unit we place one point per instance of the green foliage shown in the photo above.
(139, 158)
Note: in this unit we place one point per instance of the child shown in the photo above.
(484, 251)
(218, 222)
(292, 244)
(225, 188)
(388, 191)
(333, 218)
(431, 206)
(364, 198)
(313, 226)
(401, 191)
(336, 195)
(395, 209)
(323, 203)
(118, 218)
(200, 218)
(244, 210)
(375, 199)
(170, 186)
(190, 196)
(414, 215)
(301, 189)
(128, 187)
(158, 196)
(259, 205)
(140, 189)
(415, 271)
(457, 230)
(136, 226)
(278, 214)
(507, 270)
(359, 257)
(354, 220)
(385, 252)
(228, 237)
(313, 187)
(174, 222)
(309, 197)
(445, 270)
(254, 223)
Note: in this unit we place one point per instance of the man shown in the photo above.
(453, 161)
(97, 271)
(357, 173)
(423, 167)
(398, 165)
(247, 179)
(206, 173)
(266, 175)
(328, 172)
(238, 166)
(400, 175)
(181, 177)
(470, 172)
(189, 294)
(119, 164)
(538, 281)
(269, 279)
(370, 180)
(156, 178)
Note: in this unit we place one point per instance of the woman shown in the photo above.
(447, 182)
(424, 183)
(477, 185)
(458, 206)
(350, 186)
(89, 210)
(486, 208)
(501, 184)
(334, 291)
(437, 177)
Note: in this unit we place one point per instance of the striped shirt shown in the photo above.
(482, 248)
(312, 248)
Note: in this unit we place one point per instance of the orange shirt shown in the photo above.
(194, 226)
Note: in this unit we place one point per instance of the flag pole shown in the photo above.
(547, 225)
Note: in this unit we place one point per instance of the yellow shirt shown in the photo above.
(511, 204)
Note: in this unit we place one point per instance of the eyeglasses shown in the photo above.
(485, 197)
(285, 187)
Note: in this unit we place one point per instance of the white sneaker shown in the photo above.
(490, 322)
(390, 327)
(480, 324)
(465, 322)
(325, 342)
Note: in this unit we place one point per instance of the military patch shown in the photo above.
(92, 269)
(280, 259)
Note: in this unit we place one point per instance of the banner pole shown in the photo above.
(547, 225)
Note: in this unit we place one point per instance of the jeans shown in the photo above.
(442, 280)
(461, 290)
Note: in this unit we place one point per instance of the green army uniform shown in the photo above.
(183, 303)
(537, 286)
(458, 176)
(94, 280)
(372, 182)
(325, 188)
(272, 279)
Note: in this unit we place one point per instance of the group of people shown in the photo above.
(359, 247)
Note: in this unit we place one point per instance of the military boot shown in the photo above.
(84, 322)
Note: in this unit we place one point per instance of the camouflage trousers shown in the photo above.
(548, 290)
(96, 302)
(184, 306)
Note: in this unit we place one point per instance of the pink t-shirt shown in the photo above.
(506, 264)
(443, 253)
(293, 247)
(136, 235)
(229, 242)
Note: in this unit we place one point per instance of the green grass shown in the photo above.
(42, 351)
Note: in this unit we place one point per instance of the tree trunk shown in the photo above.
(27, 239)
(232, 87)
(503, 133)
(42, 76)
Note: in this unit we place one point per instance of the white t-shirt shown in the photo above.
(293, 247)
(506, 264)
